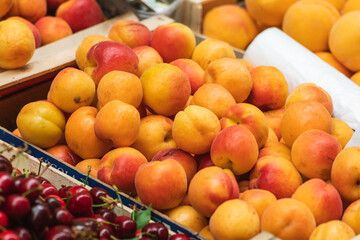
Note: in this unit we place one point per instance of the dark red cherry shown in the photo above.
(80, 204)
(62, 216)
(63, 191)
(54, 202)
(105, 232)
(60, 232)
(3, 219)
(31, 187)
(39, 217)
(9, 235)
(159, 230)
(109, 215)
(48, 189)
(17, 206)
(76, 189)
(7, 184)
(125, 227)
(23, 233)
(97, 193)
(179, 237)
(5, 165)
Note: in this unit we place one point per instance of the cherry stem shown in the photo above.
(119, 197)
(87, 176)
(101, 205)
(38, 188)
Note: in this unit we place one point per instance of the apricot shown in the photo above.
(309, 22)
(17, 44)
(288, 219)
(269, 13)
(80, 134)
(120, 85)
(270, 88)
(30, 10)
(341, 131)
(230, 23)
(304, 115)
(209, 50)
(84, 47)
(71, 89)
(310, 92)
(166, 89)
(131, 33)
(232, 75)
(343, 40)
(52, 29)
(118, 122)
(234, 219)
(213, 97)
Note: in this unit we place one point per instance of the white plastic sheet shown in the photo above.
(273, 47)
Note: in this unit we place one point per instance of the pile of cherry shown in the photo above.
(31, 208)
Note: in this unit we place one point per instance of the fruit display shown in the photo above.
(216, 144)
(47, 20)
(328, 28)
(33, 208)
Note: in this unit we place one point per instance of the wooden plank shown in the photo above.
(56, 55)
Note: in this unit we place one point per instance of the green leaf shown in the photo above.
(142, 217)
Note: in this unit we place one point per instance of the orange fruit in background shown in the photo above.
(213, 97)
(230, 23)
(82, 50)
(330, 59)
(41, 123)
(304, 115)
(350, 5)
(209, 50)
(356, 78)
(17, 44)
(84, 166)
(188, 216)
(344, 40)
(119, 85)
(288, 219)
(310, 92)
(5, 6)
(166, 89)
(80, 134)
(333, 230)
(71, 89)
(233, 75)
(234, 219)
(309, 22)
(266, 12)
(31, 10)
(52, 29)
